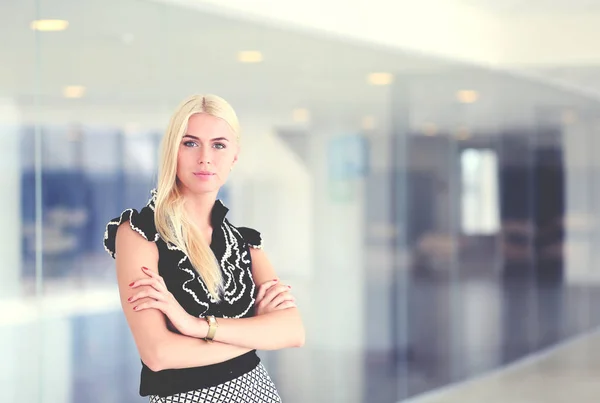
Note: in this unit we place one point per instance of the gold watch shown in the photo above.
(212, 328)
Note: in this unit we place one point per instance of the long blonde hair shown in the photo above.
(172, 223)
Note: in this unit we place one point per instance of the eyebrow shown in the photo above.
(215, 139)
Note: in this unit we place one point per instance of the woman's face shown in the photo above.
(206, 154)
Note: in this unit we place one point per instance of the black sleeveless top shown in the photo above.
(230, 245)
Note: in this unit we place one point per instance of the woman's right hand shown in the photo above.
(273, 296)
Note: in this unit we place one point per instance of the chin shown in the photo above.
(202, 188)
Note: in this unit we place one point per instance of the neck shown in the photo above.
(199, 207)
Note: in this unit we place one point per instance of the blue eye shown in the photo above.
(219, 146)
(190, 144)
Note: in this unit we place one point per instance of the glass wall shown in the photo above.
(435, 220)
(496, 224)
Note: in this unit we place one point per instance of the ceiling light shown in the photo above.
(49, 25)
(463, 133)
(301, 115)
(467, 96)
(74, 91)
(380, 78)
(368, 122)
(430, 129)
(568, 117)
(250, 56)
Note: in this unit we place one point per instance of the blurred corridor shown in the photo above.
(435, 179)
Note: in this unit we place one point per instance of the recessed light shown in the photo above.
(568, 117)
(368, 122)
(380, 78)
(463, 133)
(430, 129)
(74, 91)
(467, 96)
(301, 115)
(250, 56)
(49, 25)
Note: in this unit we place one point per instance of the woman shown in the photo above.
(199, 294)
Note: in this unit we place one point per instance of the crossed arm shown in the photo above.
(273, 328)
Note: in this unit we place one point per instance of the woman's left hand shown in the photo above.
(273, 296)
(159, 297)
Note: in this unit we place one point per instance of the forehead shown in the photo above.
(203, 125)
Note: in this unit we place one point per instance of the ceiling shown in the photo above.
(137, 59)
(141, 53)
(537, 7)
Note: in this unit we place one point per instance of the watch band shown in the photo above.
(212, 328)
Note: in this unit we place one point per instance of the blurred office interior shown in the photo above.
(424, 174)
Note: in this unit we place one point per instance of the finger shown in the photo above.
(283, 297)
(271, 294)
(153, 274)
(148, 293)
(286, 305)
(274, 291)
(262, 289)
(149, 305)
(152, 282)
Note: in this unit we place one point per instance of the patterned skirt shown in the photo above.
(255, 386)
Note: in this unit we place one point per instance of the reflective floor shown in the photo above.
(565, 373)
(488, 327)
(82, 351)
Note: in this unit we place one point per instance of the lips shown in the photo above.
(203, 174)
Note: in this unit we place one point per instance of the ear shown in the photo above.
(237, 154)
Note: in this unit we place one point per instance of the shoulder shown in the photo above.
(251, 236)
(139, 222)
(261, 267)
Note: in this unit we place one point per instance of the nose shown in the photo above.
(204, 156)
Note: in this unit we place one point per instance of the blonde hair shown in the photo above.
(172, 223)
